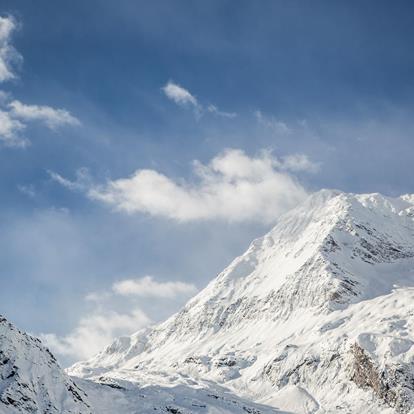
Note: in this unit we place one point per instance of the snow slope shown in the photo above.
(31, 381)
(316, 317)
(149, 394)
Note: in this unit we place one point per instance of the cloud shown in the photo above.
(179, 95)
(8, 55)
(214, 110)
(232, 187)
(53, 118)
(27, 190)
(183, 97)
(299, 162)
(15, 115)
(270, 122)
(148, 287)
(95, 331)
(10, 131)
(107, 321)
(81, 182)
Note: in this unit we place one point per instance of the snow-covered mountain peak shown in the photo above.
(409, 198)
(31, 381)
(320, 253)
(283, 321)
(332, 250)
(315, 317)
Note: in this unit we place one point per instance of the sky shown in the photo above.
(143, 145)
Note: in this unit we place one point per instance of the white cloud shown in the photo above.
(14, 118)
(299, 162)
(8, 54)
(10, 131)
(214, 110)
(81, 183)
(96, 331)
(270, 122)
(232, 186)
(106, 321)
(53, 118)
(148, 287)
(179, 95)
(183, 97)
(15, 115)
(71, 185)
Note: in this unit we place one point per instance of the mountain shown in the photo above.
(31, 381)
(315, 317)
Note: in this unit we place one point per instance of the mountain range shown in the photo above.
(315, 317)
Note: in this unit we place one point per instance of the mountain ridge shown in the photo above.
(329, 255)
(316, 317)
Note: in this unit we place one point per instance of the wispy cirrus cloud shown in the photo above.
(8, 54)
(82, 181)
(51, 117)
(275, 125)
(15, 115)
(184, 97)
(214, 110)
(149, 287)
(28, 190)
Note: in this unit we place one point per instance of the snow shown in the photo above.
(31, 380)
(315, 317)
(179, 398)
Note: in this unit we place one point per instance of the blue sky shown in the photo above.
(153, 141)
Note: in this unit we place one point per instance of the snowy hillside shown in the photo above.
(316, 317)
(31, 381)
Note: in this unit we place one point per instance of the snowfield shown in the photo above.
(316, 317)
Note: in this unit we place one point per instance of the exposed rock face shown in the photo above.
(365, 374)
(31, 381)
(394, 385)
